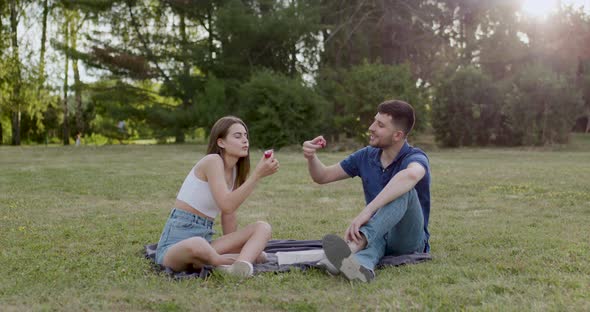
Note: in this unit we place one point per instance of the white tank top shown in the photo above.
(197, 194)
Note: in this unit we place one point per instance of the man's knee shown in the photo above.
(410, 194)
(407, 199)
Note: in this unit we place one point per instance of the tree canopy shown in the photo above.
(477, 72)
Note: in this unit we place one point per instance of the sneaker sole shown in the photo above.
(328, 267)
(340, 255)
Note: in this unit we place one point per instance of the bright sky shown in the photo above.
(542, 8)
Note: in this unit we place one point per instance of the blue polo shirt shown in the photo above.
(366, 163)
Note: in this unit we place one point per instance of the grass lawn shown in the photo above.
(510, 231)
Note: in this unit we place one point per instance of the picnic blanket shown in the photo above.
(272, 264)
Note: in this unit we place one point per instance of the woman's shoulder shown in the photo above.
(204, 166)
(210, 161)
(211, 158)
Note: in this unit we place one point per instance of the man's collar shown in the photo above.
(402, 152)
(376, 159)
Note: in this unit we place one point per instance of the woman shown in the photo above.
(217, 184)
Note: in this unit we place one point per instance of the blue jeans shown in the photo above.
(395, 229)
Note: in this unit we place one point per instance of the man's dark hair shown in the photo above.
(402, 114)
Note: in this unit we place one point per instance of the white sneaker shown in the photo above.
(225, 268)
(238, 268)
(242, 269)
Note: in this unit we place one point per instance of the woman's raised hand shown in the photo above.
(267, 165)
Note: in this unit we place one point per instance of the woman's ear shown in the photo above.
(220, 143)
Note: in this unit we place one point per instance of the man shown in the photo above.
(396, 183)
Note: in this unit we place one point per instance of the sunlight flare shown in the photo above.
(539, 8)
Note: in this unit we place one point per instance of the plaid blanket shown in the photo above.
(272, 264)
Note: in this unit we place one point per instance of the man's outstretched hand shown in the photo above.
(311, 147)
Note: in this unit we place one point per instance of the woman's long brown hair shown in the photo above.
(220, 131)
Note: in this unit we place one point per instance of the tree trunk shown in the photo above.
(78, 91)
(43, 48)
(42, 54)
(210, 23)
(66, 130)
(184, 41)
(17, 78)
(545, 136)
(179, 137)
(77, 83)
(469, 29)
(293, 63)
(587, 120)
(186, 72)
(16, 128)
(2, 6)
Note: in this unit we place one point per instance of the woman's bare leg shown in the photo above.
(249, 242)
(262, 257)
(195, 252)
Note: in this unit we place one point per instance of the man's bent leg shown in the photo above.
(370, 255)
(408, 235)
(361, 265)
(387, 217)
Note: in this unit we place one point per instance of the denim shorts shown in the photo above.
(180, 226)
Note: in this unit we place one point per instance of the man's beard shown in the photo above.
(376, 143)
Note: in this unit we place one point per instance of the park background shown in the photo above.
(479, 73)
(501, 90)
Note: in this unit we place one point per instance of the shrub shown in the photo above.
(542, 107)
(279, 110)
(355, 94)
(466, 109)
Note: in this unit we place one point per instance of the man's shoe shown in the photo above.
(341, 257)
(327, 265)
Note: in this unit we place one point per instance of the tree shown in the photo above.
(16, 77)
(46, 11)
(466, 109)
(359, 90)
(113, 101)
(21, 80)
(542, 106)
(501, 50)
(65, 127)
(150, 52)
(279, 110)
(583, 79)
(179, 65)
(390, 32)
(3, 81)
(239, 39)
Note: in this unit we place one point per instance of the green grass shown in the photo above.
(509, 232)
